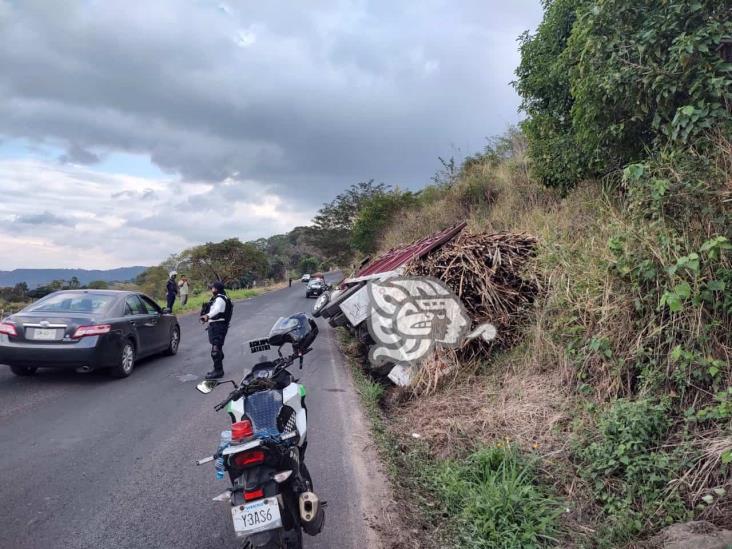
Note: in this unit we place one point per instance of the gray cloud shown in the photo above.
(264, 108)
(307, 99)
(142, 222)
(77, 155)
(44, 218)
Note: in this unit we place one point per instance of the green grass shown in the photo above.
(195, 301)
(494, 500)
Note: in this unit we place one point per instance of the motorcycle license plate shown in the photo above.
(258, 516)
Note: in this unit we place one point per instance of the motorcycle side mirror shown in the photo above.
(207, 385)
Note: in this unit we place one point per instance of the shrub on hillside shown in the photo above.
(629, 469)
(603, 81)
(375, 215)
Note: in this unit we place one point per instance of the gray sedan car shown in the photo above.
(87, 330)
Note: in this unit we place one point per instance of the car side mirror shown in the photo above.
(165, 311)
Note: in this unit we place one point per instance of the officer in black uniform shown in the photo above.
(218, 325)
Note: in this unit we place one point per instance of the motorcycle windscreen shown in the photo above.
(262, 410)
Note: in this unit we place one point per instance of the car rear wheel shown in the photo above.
(23, 371)
(126, 361)
(174, 341)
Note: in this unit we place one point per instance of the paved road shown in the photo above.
(88, 461)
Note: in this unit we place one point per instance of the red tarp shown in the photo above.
(397, 257)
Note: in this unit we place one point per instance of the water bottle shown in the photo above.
(223, 443)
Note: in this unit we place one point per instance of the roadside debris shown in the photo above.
(490, 275)
(486, 271)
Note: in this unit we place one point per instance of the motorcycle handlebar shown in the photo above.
(238, 392)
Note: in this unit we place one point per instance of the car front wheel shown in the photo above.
(23, 371)
(174, 341)
(126, 361)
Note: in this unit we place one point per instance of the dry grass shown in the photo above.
(707, 474)
(525, 408)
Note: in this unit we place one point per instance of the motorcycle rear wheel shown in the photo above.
(291, 539)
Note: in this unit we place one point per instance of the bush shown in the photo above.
(374, 216)
(629, 469)
(675, 256)
(496, 500)
(603, 81)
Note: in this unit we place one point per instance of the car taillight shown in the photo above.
(245, 459)
(8, 329)
(241, 430)
(253, 494)
(99, 329)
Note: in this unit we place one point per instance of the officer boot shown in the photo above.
(218, 364)
(215, 374)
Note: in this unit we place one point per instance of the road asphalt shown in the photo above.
(87, 461)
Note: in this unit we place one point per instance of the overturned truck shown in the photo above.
(349, 304)
(487, 272)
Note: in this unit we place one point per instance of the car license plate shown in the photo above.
(257, 516)
(45, 334)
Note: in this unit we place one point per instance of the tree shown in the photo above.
(20, 291)
(152, 281)
(309, 265)
(277, 268)
(74, 283)
(57, 285)
(332, 226)
(602, 82)
(227, 261)
(546, 96)
(98, 285)
(375, 215)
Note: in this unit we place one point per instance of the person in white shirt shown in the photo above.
(183, 290)
(218, 326)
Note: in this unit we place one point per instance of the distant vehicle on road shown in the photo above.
(87, 330)
(305, 278)
(315, 287)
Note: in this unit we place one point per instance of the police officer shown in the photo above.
(171, 290)
(217, 328)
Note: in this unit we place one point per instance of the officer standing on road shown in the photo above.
(171, 290)
(218, 318)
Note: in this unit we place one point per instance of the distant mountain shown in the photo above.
(39, 277)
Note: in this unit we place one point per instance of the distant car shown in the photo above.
(87, 330)
(305, 278)
(315, 287)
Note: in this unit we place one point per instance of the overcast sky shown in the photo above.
(129, 131)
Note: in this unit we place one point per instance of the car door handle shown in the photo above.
(132, 323)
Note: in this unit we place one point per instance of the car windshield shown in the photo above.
(72, 302)
(315, 282)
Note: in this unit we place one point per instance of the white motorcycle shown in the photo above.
(271, 495)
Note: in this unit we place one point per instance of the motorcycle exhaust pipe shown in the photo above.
(312, 513)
